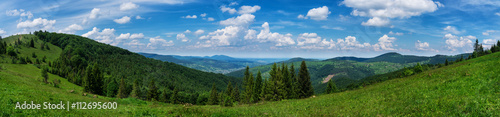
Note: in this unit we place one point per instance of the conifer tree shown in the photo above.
(44, 74)
(175, 99)
(111, 89)
(165, 96)
(229, 89)
(331, 87)
(32, 43)
(93, 79)
(286, 81)
(236, 93)
(212, 100)
(249, 89)
(258, 87)
(247, 92)
(122, 89)
(305, 86)
(136, 92)
(295, 85)
(152, 94)
(446, 63)
(264, 91)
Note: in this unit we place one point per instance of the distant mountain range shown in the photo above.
(217, 63)
(345, 70)
(394, 57)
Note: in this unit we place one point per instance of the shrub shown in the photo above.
(56, 83)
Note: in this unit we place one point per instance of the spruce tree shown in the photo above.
(165, 96)
(229, 89)
(93, 79)
(136, 91)
(446, 63)
(258, 87)
(305, 86)
(212, 100)
(175, 99)
(249, 90)
(44, 74)
(236, 93)
(286, 81)
(295, 85)
(264, 91)
(152, 91)
(111, 89)
(122, 89)
(246, 86)
(32, 43)
(331, 87)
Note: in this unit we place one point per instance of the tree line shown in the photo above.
(283, 83)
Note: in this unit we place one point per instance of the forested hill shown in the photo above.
(394, 57)
(217, 63)
(115, 63)
(347, 70)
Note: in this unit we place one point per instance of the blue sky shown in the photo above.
(265, 28)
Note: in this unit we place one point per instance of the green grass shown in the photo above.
(19, 83)
(468, 88)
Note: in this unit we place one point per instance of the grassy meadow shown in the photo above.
(468, 88)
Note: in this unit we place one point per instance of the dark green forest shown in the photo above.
(99, 68)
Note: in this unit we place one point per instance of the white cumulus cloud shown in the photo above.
(138, 17)
(242, 20)
(182, 37)
(199, 32)
(248, 9)
(320, 13)
(384, 43)
(452, 29)
(37, 24)
(376, 21)
(190, 17)
(266, 35)
(423, 46)
(308, 38)
(105, 36)
(157, 42)
(123, 20)
(128, 6)
(222, 37)
(130, 36)
(380, 11)
(454, 42)
(71, 29)
(227, 9)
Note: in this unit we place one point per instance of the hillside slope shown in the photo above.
(70, 54)
(343, 72)
(347, 70)
(467, 88)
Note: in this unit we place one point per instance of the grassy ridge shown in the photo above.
(468, 88)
